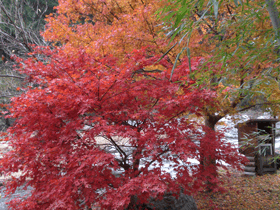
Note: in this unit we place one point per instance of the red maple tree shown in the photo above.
(100, 130)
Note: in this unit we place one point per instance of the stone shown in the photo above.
(169, 202)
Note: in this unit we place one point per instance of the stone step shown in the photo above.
(249, 173)
(249, 169)
(251, 164)
(251, 159)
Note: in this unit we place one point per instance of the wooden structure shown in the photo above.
(256, 139)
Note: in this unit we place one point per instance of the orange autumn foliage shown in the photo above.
(108, 27)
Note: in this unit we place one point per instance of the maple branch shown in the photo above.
(118, 6)
(157, 100)
(107, 90)
(178, 114)
(121, 145)
(119, 149)
(119, 93)
(230, 12)
(241, 95)
(98, 89)
(111, 11)
(83, 143)
(131, 6)
(154, 159)
(151, 28)
(139, 71)
(144, 40)
(166, 53)
(108, 19)
(127, 124)
(209, 26)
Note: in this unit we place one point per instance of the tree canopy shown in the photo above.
(239, 40)
(105, 113)
(98, 130)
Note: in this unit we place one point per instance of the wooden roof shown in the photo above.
(273, 120)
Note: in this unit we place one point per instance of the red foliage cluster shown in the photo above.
(98, 130)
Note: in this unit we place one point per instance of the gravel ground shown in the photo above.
(19, 193)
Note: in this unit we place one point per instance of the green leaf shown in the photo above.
(169, 16)
(180, 15)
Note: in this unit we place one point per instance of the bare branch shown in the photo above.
(9, 96)
(260, 104)
(13, 76)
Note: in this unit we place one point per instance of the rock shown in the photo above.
(20, 192)
(169, 202)
(4, 147)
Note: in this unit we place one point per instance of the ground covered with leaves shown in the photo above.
(244, 193)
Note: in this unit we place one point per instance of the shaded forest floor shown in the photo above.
(244, 193)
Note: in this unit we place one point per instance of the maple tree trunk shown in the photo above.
(210, 122)
(133, 203)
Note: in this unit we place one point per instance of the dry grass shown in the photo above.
(244, 193)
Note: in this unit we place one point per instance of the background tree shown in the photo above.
(21, 22)
(239, 41)
(109, 26)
